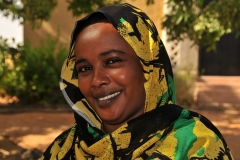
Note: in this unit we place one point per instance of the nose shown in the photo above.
(100, 77)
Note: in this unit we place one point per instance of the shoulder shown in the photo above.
(64, 140)
(193, 136)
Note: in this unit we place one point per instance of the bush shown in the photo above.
(11, 77)
(184, 83)
(32, 73)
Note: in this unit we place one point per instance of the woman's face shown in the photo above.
(110, 75)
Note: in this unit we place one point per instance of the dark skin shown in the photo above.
(110, 75)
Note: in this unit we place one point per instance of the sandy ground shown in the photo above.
(38, 129)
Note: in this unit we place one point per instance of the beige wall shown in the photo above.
(154, 11)
(62, 20)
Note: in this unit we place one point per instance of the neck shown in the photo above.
(109, 128)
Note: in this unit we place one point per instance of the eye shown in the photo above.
(111, 61)
(84, 69)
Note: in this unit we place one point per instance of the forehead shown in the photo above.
(97, 30)
(100, 36)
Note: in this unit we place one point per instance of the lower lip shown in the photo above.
(108, 102)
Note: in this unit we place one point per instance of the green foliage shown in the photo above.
(11, 68)
(32, 11)
(203, 24)
(35, 71)
(184, 83)
(37, 11)
(79, 7)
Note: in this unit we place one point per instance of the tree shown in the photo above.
(32, 11)
(203, 21)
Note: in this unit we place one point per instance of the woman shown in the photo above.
(119, 82)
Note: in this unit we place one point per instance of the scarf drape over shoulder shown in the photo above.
(164, 131)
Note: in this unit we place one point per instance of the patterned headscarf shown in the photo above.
(140, 32)
(164, 131)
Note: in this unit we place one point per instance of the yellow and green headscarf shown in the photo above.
(164, 131)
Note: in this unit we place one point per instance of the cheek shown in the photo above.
(84, 87)
(131, 73)
(122, 76)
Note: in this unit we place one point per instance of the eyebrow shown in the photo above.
(80, 61)
(105, 53)
(110, 51)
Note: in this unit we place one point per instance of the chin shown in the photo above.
(111, 120)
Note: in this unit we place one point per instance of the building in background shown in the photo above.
(62, 21)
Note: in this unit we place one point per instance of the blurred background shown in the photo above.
(202, 40)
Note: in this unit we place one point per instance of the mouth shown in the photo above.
(109, 96)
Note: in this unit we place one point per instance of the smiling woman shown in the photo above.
(110, 75)
(119, 82)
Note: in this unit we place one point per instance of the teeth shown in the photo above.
(109, 96)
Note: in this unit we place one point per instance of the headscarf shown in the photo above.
(140, 32)
(164, 130)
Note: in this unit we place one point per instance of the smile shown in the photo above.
(109, 96)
